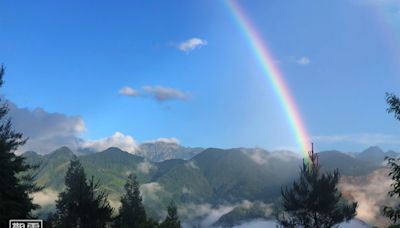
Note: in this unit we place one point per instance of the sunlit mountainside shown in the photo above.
(223, 187)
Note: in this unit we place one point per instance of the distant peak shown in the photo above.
(29, 153)
(373, 149)
(62, 152)
(64, 149)
(113, 150)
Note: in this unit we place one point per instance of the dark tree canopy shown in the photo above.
(131, 213)
(82, 204)
(314, 200)
(172, 219)
(394, 164)
(16, 182)
(394, 105)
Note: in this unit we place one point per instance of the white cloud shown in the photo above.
(46, 131)
(191, 164)
(186, 190)
(191, 44)
(45, 197)
(162, 94)
(158, 93)
(128, 91)
(118, 139)
(262, 157)
(165, 140)
(363, 139)
(208, 214)
(151, 191)
(303, 61)
(145, 167)
(371, 194)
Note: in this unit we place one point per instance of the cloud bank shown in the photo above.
(371, 194)
(366, 139)
(46, 131)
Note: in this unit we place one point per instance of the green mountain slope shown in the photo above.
(213, 177)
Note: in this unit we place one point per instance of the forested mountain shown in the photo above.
(211, 178)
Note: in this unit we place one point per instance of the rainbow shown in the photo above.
(272, 72)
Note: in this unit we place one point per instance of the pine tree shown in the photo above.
(172, 219)
(15, 181)
(314, 200)
(82, 204)
(131, 213)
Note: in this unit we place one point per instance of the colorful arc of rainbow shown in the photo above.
(272, 72)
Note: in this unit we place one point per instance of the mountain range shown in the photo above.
(247, 181)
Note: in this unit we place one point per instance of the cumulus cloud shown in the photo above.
(46, 131)
(303, 61)
(128, 91)
(191, 44)
(371, 194)
(118, 139)
(45, 197)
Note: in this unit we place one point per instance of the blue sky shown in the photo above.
(73, 58)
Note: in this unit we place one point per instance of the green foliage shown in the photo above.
(393, 213)
(82, 204)
(16, 180)
(314, 201)
(132, 213)
(394, 105)
(172, 219)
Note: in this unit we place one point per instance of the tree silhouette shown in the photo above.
(82, 204)
(131, 213)
(314, 200)
(394, 165)
(172, 219)
(16, 182)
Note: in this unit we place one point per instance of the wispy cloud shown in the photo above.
(165, 93)
(303, 61)
(128, 91)
(363, 139)
(191, 44)
(171, 140)
(158, 93)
